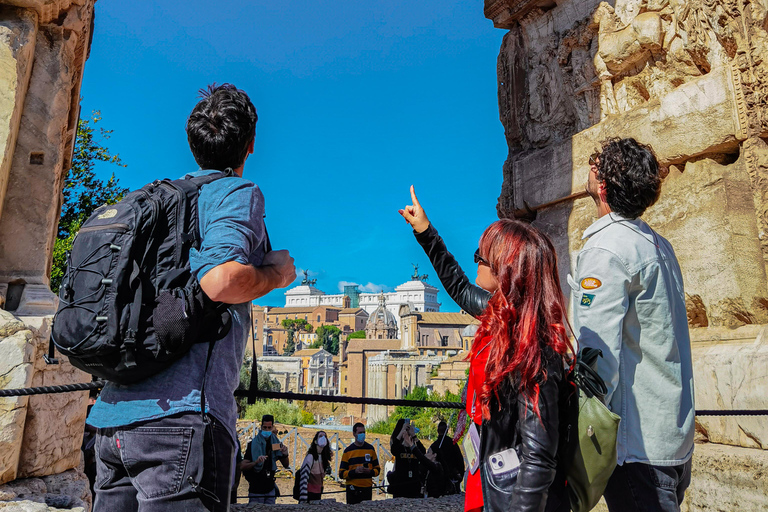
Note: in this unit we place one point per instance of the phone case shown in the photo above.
(504, 463)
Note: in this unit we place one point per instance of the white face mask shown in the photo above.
(322, 441)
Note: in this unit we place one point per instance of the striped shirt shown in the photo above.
(355, 457)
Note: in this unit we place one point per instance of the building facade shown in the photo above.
(417, 294)
(391, 362)
(318, 370)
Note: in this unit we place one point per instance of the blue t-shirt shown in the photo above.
(232, 229)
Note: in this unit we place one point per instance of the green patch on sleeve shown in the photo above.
(587, 299)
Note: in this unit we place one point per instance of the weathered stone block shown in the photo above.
(697, 118)
(66, 491)
(18, 30)
(16, 353)
(44, 144)
(710, 206)
(731, 375)
(63, 413)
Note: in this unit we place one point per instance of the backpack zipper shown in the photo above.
(117, 226)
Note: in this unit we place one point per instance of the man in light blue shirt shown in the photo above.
(155, 449)
(629, 303)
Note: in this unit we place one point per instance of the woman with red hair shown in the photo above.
(516, 390)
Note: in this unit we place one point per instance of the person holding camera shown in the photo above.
(405, 480)
(358, 466)
(260, 463)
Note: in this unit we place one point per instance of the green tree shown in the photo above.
(328, 338)
(265, 383)
(83, 191)
(292, 327)
(426, 418)
(357, 335)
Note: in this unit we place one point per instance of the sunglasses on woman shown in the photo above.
(480, 259)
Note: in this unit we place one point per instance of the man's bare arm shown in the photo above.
(235, 283)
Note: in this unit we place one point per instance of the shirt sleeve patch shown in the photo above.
(591, 283)
(587, 299)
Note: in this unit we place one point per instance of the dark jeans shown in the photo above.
(637, 487)
(172, 464)
(358, 494)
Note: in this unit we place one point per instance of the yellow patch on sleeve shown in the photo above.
(590, 283)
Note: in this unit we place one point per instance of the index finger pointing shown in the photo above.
(414, 199)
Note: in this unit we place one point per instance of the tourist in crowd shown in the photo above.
(405, 480)
(517, 360)
(316, 465)
(433, 474)
(260, 462)
(359, 465)
(449, 454)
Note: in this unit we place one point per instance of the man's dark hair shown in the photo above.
(268, 417)
(357, 426)
(221, 127)
(630, 173)
(442, 428)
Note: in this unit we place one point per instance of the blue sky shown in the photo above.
(356, 102)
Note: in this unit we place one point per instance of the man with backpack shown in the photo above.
(260, 463)
(630, 304)
(158, 447)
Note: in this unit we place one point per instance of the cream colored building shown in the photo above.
(391, 362)
(318, 370)
(416, 293)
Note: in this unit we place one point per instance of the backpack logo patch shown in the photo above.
(108, 214)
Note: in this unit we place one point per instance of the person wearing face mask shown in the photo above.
(406, 478)
(358, 466)
(260, 463)
(316, 465)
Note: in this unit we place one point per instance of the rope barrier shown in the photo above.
(42, 390)
(327, 398)
(351, 399)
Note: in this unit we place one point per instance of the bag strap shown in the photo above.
(585, 373)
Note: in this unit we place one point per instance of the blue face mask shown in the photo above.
(360, 437)
(266, 433)
(416, 430)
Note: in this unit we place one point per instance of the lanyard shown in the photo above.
(471, 376)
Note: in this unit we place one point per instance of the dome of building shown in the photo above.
(382, 324)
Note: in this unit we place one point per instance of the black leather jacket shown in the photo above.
(539, 486)
(469, 297)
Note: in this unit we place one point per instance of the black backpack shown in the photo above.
(128, 303)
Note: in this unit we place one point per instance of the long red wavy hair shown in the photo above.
(526, 314)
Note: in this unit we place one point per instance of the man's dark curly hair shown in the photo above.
(221, 127)
(630, 173)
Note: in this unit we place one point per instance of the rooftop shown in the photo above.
(446, 318)
(307, 352)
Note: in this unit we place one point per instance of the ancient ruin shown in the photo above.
(690, 78)
(43, 48)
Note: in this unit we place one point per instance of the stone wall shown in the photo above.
(40, 435)
(690, 78)
(43, 48)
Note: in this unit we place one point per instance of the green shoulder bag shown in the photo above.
(593, 447)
